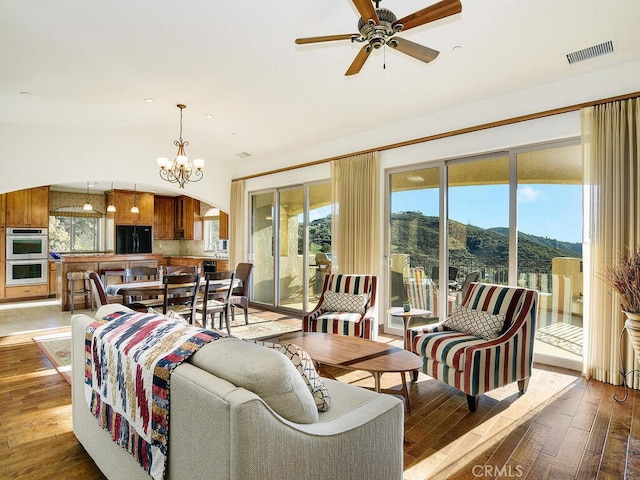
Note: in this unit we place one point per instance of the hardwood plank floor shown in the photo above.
(563, 427)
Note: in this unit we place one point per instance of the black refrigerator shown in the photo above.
(133, 239)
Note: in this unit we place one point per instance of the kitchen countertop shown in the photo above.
(205, 257)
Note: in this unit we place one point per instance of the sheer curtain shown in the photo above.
(611, 148)
(236, 224)
(355, 216)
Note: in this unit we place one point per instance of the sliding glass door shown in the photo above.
(298, 229)
(414, 236)
(513, 217)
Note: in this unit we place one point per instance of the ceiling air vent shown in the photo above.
(590, 52)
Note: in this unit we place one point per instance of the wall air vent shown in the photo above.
(590, 52)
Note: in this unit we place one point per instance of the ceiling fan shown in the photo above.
(377, 27)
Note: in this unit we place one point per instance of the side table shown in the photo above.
(406, 317)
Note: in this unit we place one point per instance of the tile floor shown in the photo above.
(21, 317)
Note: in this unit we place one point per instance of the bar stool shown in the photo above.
(72, 278)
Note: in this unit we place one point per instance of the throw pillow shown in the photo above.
(476, 322)
(262, 371)
(345, 302)
(303, 363)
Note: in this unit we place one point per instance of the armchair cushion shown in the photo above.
(345, 302)
(476, 322)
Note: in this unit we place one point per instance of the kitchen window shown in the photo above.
(74, 233)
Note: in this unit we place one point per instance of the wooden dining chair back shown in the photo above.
(180, 294)
(240, 295)
(103, 298)
(175, 269)
(140, 274)
(99, 293)
(215, 299)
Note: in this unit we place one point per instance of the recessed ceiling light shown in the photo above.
(25, 93)
(457, 49)
(243, 154)
(209, 115)
(148, 100)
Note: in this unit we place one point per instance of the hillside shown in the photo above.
(418, 235)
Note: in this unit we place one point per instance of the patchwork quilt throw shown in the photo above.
(129, 358)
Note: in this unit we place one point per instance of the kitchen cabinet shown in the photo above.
(185, 262)
(3, 209)
(125, 199)
(223, 226)
(188, 221)
(163, 218)
(28, 208)
(3, 268)
(27, 291)
(223, 265)
(53, 279)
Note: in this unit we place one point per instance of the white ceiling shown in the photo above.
(92, 63)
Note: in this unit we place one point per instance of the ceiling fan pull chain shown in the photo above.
(384, 57)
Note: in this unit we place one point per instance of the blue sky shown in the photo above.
(553, 211)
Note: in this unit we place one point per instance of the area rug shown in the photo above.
(261, 329)
(57, 348)
(258, 328)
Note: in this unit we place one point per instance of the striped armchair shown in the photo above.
(475, 365)
(352, 323)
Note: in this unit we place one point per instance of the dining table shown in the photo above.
(156, 288)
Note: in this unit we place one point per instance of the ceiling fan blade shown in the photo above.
(366, 10)
(415, 50)
(326, 38)
(439, 10)
(357, 64)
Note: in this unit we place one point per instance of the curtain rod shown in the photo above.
(451, 133)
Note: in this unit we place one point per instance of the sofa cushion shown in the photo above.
(303, 363)
(476, 322)
(344, 302)
(263, 371)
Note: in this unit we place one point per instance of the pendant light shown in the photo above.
(87, 206)
(111, 207)
(135, 208)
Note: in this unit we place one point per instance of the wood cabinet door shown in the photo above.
(18, 209)
(124, 200)
(39, 207)
(3, 210)
(163, 221)
(223, 226)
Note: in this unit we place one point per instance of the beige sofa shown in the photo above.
(219, 430)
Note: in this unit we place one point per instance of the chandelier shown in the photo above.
(181, 170)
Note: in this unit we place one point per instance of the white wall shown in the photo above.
(45, 155)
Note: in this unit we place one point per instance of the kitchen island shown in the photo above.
(99, 263)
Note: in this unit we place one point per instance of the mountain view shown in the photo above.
(470, 247)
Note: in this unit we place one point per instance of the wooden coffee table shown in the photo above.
(356, 353)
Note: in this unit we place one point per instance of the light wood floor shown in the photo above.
(563, 427)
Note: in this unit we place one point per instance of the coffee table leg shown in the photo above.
(376, 378)
(405, 391)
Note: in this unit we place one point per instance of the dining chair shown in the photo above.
(142, 274)
(102, 298)
(240, 295)
(175, 269)
(215, 300)
(180, 294)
